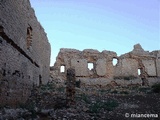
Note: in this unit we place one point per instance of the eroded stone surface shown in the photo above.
(70, 87)
(24, 52)
(103, 72)
(80, 66)
(150, 67)
(101, 67)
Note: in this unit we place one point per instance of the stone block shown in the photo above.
(101, 67)
(150, 67)
(129, 67)
(80, 66)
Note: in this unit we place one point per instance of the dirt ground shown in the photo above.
(48, 102)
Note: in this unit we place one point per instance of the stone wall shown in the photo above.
(127, 67)
(102, 62)
(24, 52)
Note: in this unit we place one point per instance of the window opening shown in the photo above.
(29, 37)
(90, 66)
(62, 69)
(139, 71)
(115, 61)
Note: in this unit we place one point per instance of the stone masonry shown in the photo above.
(24, 52)
(104, 71)
(70, 87)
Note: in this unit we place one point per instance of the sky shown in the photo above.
(114, 25)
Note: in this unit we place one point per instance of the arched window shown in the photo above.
(115, 61)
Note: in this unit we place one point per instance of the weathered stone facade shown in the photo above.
(128, 65)
(24, 52)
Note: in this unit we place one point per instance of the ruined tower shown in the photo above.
(24, 51)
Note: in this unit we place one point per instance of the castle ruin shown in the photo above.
(24, 52)
(25, 58)
(140, 65)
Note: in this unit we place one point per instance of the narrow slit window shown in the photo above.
(62, 69)
(90, 66)
(139, 71)
(29, 37)
(115, 61)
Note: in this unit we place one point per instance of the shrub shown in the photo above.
(48, 86)
(30, 106)
(145, 89)
(61, 89)
(124, 92)
(110, 105)
(102, 91)
(78, 84)
(95, 107)
(85, 98)
(114, 91)
(98, 105)
(156, 88)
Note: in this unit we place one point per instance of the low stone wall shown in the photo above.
(102, 82)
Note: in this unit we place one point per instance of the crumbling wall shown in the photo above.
(80, 66)
(150, 67)
(157, 63)
(127, 67)
(102, 62)
(129, 63)
(24, 52)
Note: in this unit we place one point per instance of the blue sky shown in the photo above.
(114, 25)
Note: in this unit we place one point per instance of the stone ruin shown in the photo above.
(25, 57)
(70, 87)
(24, 52)
(138, 67)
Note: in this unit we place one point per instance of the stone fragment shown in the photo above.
(70, 87)
(101, 67)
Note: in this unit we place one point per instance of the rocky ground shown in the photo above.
(48, 102)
